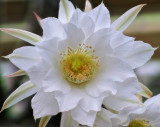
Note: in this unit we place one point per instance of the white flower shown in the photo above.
(105, 118)
(132, 116)
(147, 117)
(80, 63)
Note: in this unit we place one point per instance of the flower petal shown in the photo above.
(54, 81)
(84, 118)
(24, 57)
(88, 6)
(115, 69)
(153, 100)
(146, 91)
(44, 121)
(73, 41)
(100, 85)
(23, 35)
(89, 103)
(66, 10)
(135, 53)
(44, 104)
(127, 18)
(100, 16)
(25, 90)
(17, 73)
(37, 72)
(125, 96)
(103, 118)
(70, 100)
(49, 50)
(83, 21)
(100, 41)
(67, 121)
(52, 27)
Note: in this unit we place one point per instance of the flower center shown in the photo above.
(139, 123)
(79, 65)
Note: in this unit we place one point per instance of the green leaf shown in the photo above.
(23, 35)
(25, 90)
(127, 18)
(44, 121)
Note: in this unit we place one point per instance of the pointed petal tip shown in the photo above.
(37, 17)
(6, 57)
(5, 29)
(2, 109)
(88, 6)
(15, 74)
(155, 48)
(141, 6)
(2, 29)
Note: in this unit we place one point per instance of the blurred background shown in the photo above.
(19, 14)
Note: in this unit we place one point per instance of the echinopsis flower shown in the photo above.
(147, 115)
(148, 118)
(81, 62)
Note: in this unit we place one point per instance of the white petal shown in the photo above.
(88, 6)
(118, 38)
(153, 100)
(54, 81)
(129, 113)
(89, 103)
(157, 124)
(84, 118)
(100, 16)
(103, 118)
(52, 27)
(152, 113)
(23, 35)
(70, 100)
(125, 96)
(127, 18)
(135, 53)
(49, 51)
(75, 35)
(67, 121)
(25, 90)
(24, 57)
(100, 41)
(66, 10)
(37, 72)
(115, 69)
(44, 104)
(83, 21)
(101, 85)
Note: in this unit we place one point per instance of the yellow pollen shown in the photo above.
(139, 123)
(79, 65)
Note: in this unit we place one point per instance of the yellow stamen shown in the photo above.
(139, 123)
(79, 65)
